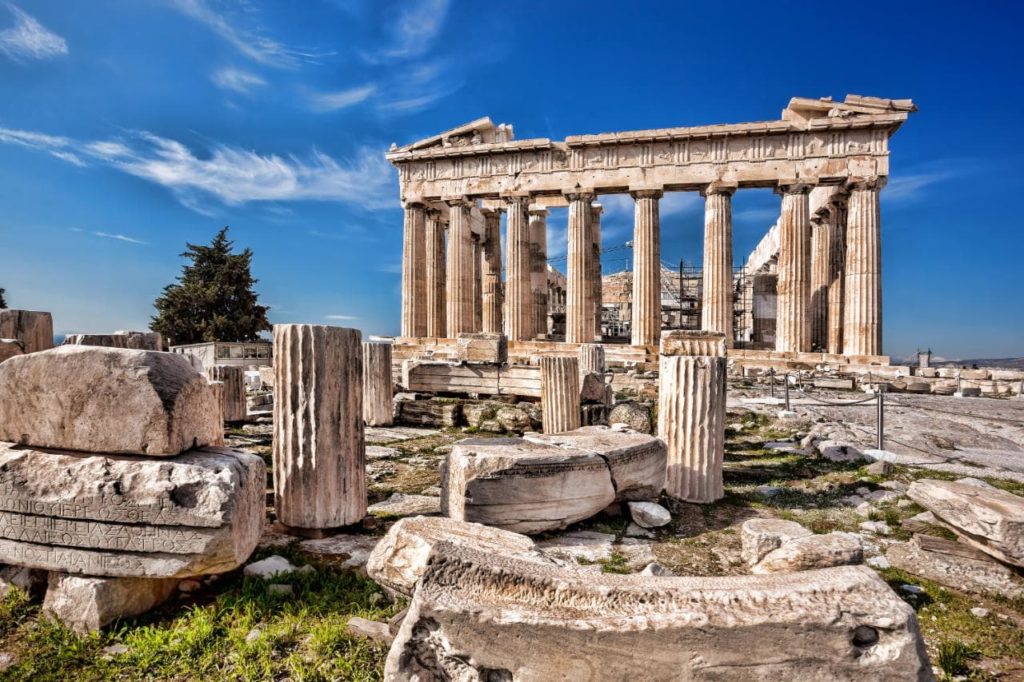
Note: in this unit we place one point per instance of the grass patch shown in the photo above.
(238, 631)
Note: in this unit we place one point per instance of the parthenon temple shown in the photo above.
(827, 160)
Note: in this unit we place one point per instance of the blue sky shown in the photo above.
(128, 127)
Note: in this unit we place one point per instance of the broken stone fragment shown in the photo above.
(107, 400)
(523, 486)
(400, 558)
(649, 514)
(86, 603)
(370, 629)
(121, 516)
(637, 461)
(813, 551)
(988, 518)
(955, 565)
(269, 567)
(557, 623)
(758, 537)
(9, 348)
(400, 504)
(636, 416)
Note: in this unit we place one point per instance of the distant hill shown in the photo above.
(998, 363)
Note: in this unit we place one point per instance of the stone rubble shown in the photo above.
(649, 514)
(812, 552)
(956, 565)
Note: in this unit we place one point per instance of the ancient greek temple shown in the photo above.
(828, 161)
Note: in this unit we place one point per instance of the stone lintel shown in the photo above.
(867, 182)
(514, 195)
(538, 210)
(459, 200)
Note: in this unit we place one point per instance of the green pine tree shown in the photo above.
(213, 299)
(3, 301)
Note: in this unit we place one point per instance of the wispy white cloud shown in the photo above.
(229, 174)
(237, 80)
(341, 317)
(249, 41)
(28, 39)
(413, 31)
(904, 187)
(107, 235)
(322, 102)
(766, 215)
(419, 87)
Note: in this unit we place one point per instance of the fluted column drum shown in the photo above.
(560, 394)
(579, 303)
(836, 276)
(491, 275)
(435, 274)
(378, 385)
(691, 413)
(820, 261)
(233, 378)
(539, 269)
(319, 448)
(596, 274)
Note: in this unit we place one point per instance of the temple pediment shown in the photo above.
(802, 110)
(479, 131)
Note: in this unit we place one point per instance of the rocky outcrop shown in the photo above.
(400, 558)
(107, 400)
(198, 513)
(479, 615)
(990, 519)
(86, 604)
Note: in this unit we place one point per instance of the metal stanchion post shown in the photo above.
(880, 397)
(771, 380)
(785, 378)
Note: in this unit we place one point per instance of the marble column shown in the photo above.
(414, 247)
(596, 282)
(646, 312)
(233, 378)
(378, 384)
(820, 247)
(716, 308)
(836, 274)
(478, 284)
(793, 323)
(319, 448)
(579, 304)
(539, 268)
(691, 413)
(492, 272)
(459, 280)
(862, 326)
(435, 273)
(518, 283)
(560, 394)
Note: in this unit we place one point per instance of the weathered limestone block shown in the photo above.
(592, 389)
(107, 400)
(378, 386)
(400, 558)
(758, 537)
(120, 516)
(691, 413)
(990, 519)
(34, 329)
(636, 416)
(233, 379)
(432, 412)
(143, 340)
(218, 391)
(10, 348)
(482, 347)
(523, 486)
(813, 551)
(85, 603)
(636, 460)
(120, 339)
(556, 623)
(955, 565)
(319, 446)
(560, 394)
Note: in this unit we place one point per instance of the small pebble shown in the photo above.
(912, 589)
(879, 562)
(253, 635)
(979, 612)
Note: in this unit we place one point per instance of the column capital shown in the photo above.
(596, 209)
(414, 203)
(492, 212)
(458, 201)
(795, 186)
(720, 187)
(432, 213)
(538, 210)
(874, 182)
(586, 194)
(646, 191)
